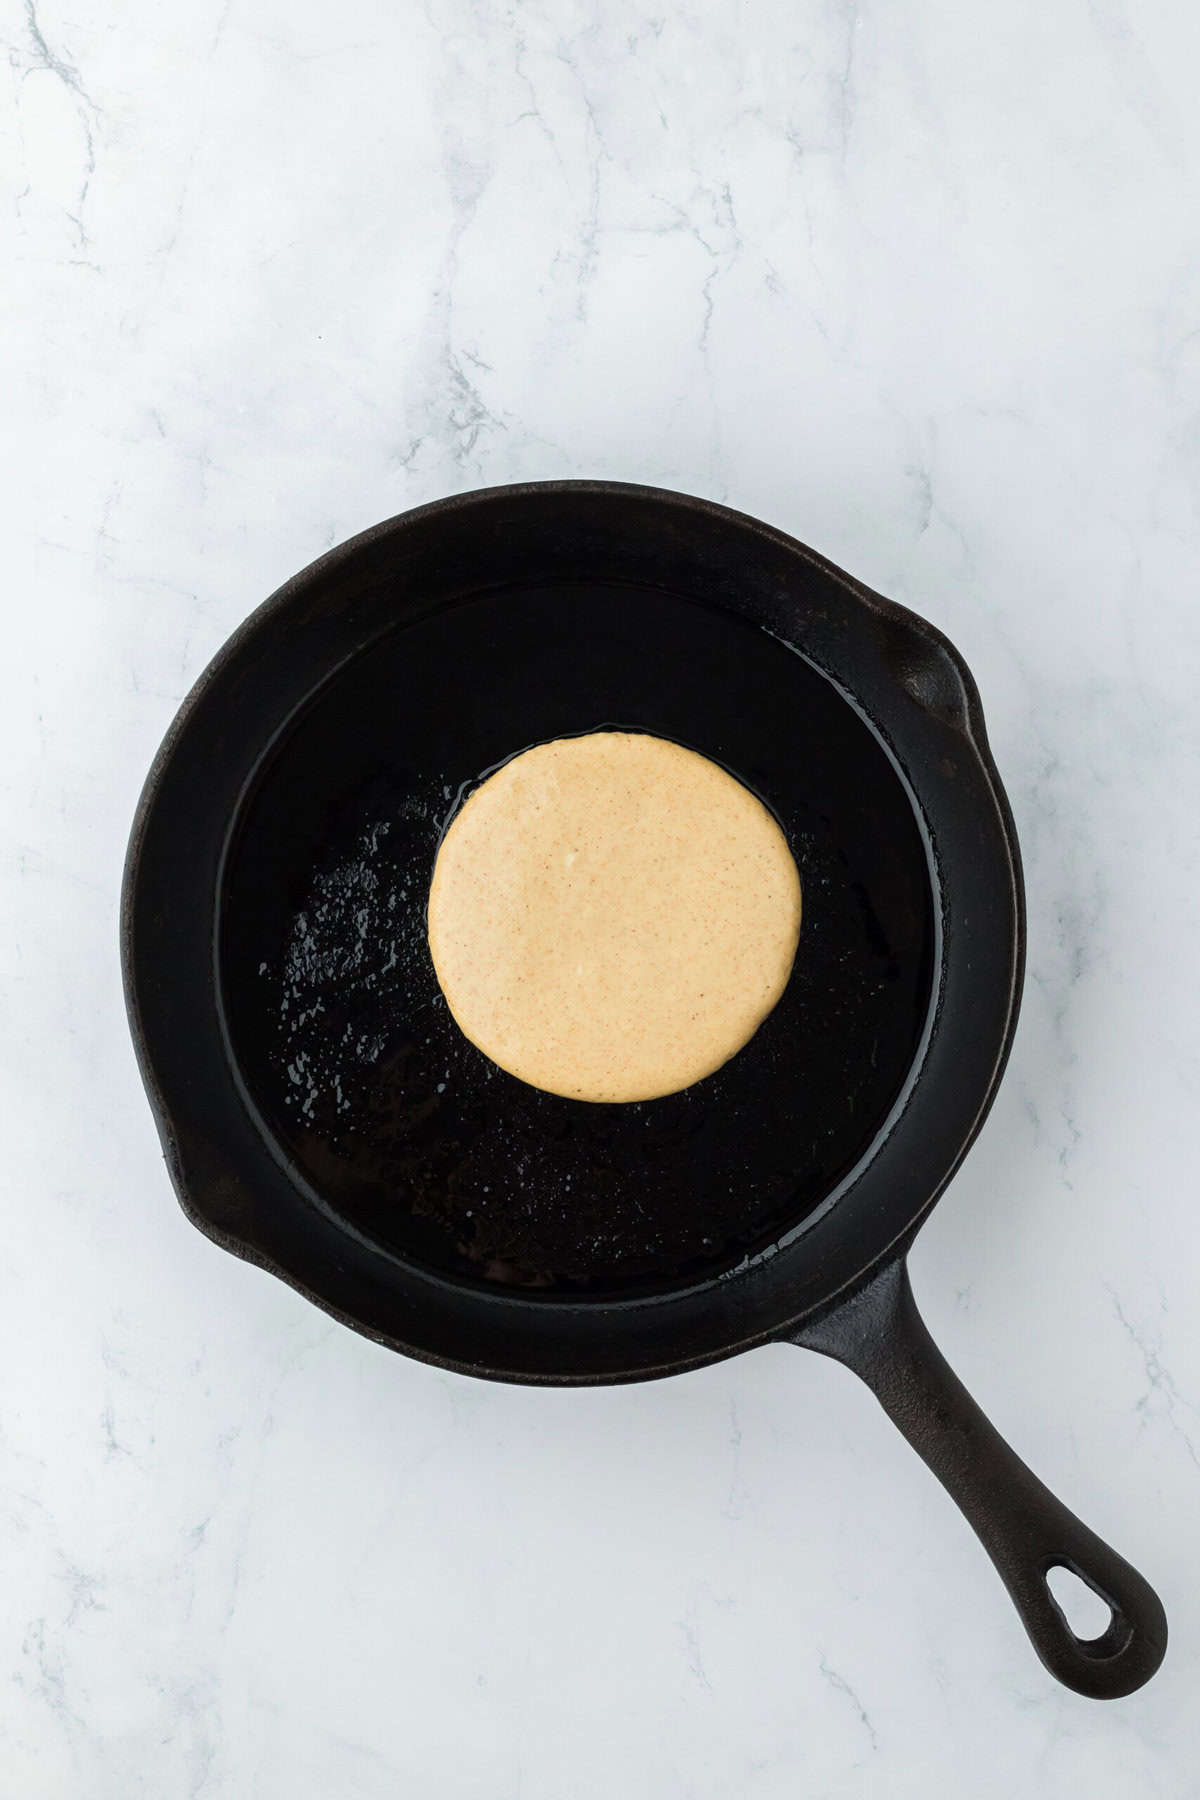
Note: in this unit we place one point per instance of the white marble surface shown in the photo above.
(920, 284)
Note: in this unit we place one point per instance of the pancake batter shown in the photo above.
(612, 916)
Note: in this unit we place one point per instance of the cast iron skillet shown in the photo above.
(322, 1116)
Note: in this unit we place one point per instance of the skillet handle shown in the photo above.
(881, 1336)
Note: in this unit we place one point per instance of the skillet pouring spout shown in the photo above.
(1027, 1532)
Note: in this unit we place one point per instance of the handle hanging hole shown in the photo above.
(1087, 1613)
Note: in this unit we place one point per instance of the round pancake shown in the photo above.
(612, 916)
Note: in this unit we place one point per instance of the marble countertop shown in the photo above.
(920, 285)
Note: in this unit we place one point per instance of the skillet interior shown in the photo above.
(348, 1053)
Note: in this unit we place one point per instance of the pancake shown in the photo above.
(612, 916)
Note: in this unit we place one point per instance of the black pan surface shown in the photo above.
(349, 1050)
(322, 1115)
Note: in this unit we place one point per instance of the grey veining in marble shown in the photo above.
(920, 284)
